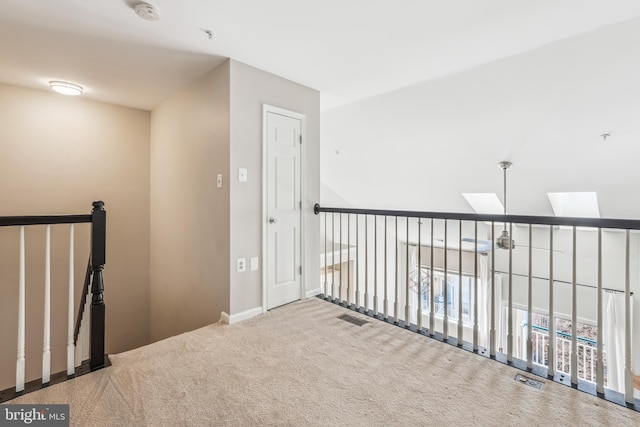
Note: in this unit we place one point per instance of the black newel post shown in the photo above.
(98, 240)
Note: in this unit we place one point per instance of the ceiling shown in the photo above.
(348, 50)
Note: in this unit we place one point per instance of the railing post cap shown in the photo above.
(98, 205)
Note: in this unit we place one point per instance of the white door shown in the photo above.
(283, 199)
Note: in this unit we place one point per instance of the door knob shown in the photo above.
(272, 220)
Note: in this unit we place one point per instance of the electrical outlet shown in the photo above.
(241, 265)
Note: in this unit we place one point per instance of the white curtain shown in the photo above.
(613, 339)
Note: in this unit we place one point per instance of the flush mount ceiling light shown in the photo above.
(66, 88)
(146, 11)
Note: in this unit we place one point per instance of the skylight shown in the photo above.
(581, 204)
(484, 203)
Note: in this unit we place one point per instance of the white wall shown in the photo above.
(420, 147)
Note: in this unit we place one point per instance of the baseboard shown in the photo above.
(313, 293)
(248, 314)
(239, 317)
(224, 317)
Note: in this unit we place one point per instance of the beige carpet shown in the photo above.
(299, 365)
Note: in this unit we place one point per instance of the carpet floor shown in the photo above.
(299, 365)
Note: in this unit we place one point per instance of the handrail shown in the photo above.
(9, 221)
(626, 224)
(83, 301)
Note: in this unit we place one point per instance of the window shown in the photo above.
(455, 286)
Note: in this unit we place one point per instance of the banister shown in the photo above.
(98, 359)
(625, 224)
(8, 221)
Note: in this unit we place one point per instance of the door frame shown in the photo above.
(265, 250)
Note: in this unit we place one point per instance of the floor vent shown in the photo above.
(529, 381)
(352, 319)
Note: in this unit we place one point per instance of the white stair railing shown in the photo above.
(79, 342)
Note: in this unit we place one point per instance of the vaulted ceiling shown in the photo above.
(348, 50)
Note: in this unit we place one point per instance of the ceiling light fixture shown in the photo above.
(66, 88)
(146, 11)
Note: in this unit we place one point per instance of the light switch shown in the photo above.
(242, 174)
(254, 263)
(219, 180)
(241, 265)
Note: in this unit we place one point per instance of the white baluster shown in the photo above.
(552, 321)
(366, 263)
(357, 263)
(396, 304)
(460, 323)
(348, 260)
(529, 346)
(492, 331)
(419, 305)
(445, 320)
(600, 358)
(20, 365)
(70, 346)
(475, 288)
(340, 299)
(431, 297)
(326, 260)
(510, 300)
(386, 285)
(333, 257)
(574, 317)
(46, 349)
(407, 310)
(628, 372)
(375, 265)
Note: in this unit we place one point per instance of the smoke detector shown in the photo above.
(146, 11)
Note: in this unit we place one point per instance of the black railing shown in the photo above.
(625, 224)
(396, 265)
(98, 259)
